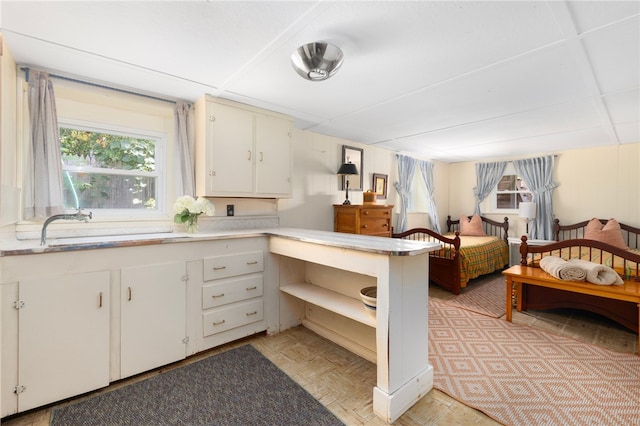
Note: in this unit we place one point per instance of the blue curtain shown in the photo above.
(426, 170)
(487, 177)
(406, 169)
(538, 174)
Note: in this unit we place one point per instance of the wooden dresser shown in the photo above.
(367, 219)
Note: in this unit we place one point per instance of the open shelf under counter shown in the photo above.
(346, 306)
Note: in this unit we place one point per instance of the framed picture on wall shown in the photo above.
(353, 155)
(380, 186)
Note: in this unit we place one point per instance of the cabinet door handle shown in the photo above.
(218, 322)
(365, 226)
(215, 296)
(249, 155)
(252, 313)
(219, 268)
(253, 262)
(251, 288)
(100, 301)
(261, 156)
(130, 295)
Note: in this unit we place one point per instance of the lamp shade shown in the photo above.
(348, 169)
(317, 61)
(527, 210)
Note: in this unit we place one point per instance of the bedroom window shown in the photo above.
(510, 192)
(109, 169)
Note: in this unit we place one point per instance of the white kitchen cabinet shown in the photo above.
(242, 151)
(153, 316)
(232, 303)
(62, 348)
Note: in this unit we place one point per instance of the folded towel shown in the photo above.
(597, 273)
(562, 269)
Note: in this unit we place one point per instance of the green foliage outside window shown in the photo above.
(110, 171)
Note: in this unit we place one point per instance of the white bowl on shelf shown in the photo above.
(369, 297)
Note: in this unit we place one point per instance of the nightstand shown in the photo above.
(514, 248)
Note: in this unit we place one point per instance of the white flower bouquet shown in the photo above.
(187, 209)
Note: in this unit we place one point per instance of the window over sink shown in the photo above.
(109, 168)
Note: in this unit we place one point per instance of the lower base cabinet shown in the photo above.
(66, 333)
(153, 316)
(63, 339)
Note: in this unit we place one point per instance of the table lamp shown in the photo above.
(345, 170)
(527, 210)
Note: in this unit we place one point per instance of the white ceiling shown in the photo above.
(450, 81)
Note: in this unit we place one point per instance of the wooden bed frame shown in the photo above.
(541, 297)
(444, 265)
(630, 234)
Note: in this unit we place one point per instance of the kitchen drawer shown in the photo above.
(231, 290)
(236, 315)
(232, 265)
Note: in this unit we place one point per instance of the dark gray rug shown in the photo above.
(237, 387)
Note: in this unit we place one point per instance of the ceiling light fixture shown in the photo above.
(317, 61)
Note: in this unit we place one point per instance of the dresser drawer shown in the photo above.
(232, 265)
(226, 318)
(376, 213)
(231, 290)
(373, 226)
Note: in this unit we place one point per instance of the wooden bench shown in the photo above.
(528, 273)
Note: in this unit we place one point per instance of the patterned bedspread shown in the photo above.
(481, 255)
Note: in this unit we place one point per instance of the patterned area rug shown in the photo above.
(485, 295)
(237, 387)
(522, 376)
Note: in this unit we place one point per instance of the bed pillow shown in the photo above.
(611, 233)
(473, 227)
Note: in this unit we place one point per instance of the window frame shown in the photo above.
(490, 204)
(160, 166)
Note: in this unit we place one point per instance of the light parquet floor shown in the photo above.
(343, 382)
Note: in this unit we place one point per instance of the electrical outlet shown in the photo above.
(230, 209)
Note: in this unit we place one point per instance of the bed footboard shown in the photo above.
(444, 264)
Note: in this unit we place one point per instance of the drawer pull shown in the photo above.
(219, 268)
(365, 226)
(366, 213)
(251, 288)
(253, 262)
(252, 313)
(218, 322)
(215, 296)
(385, 225)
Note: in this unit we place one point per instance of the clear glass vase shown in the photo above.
(192, 224)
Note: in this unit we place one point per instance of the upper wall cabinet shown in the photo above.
(242, 151)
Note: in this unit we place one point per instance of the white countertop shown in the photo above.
(389, 246)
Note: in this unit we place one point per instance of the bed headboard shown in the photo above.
(630, 234)
(491, 227)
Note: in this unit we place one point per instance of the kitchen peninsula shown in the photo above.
(296, 276)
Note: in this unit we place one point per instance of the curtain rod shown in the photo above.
(102, 86)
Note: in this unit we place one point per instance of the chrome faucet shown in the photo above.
(75, 216)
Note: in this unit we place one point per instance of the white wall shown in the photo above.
(316, 160)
